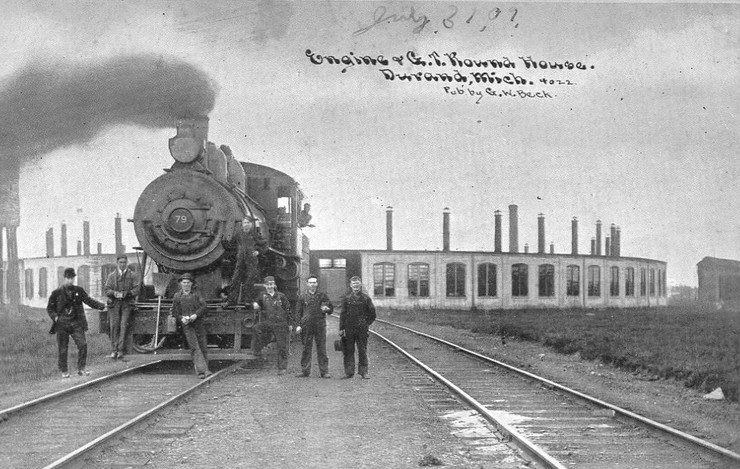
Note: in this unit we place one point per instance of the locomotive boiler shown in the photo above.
(228, 223)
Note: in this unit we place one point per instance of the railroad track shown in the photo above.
(57, 430)
(558, 427)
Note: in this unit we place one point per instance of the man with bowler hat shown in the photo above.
(275, 318)
(312, 308)
(358, 312)
(66, 311)
(189, 309)
(121, 288)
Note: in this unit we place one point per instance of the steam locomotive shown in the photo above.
(190, 219)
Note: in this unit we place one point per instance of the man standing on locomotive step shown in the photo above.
(121, 288)
(275, 317)
(66, 311)
(358, 312)
(312, 308)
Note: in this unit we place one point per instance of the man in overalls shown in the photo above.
(275, 318)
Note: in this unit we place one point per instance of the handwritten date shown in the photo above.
(481, 19)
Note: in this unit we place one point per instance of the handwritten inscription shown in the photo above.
(481, 19)
(459, 75)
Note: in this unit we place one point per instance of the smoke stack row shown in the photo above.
(389, 229)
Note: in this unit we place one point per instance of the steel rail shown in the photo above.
(527, 445)
(616, 409)
(5, 414)
(61, 462)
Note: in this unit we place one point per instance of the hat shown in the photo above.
(355, 279)
(269, 278)
(186, 276)
(69, 272)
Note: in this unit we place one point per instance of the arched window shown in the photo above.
(614, 281)
(43, 282)
(519, 280)
(83, 277)
(487, 279)
(418, 282)
(29, 283)
(629, 282)
(455, 279)
(384, 279)
(547, 280)
(60, 276)
(573, 285)
(594, 280)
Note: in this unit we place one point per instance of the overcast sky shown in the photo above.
(646, 137)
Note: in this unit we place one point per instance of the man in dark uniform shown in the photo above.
(311, 310)
(66, 311)
(358, 312)
(275, 318)
(249, 245)
(121, 288)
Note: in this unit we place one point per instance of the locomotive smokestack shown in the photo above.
(598, 237)
(541, 233)
(389, 229)
(50, 242)
(446, 229)
(191, 138)
(86, 238)
(513, 228)
(497, 231)
(574, 236)
(119, 235)
(63, 245)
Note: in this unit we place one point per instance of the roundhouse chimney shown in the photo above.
(86, 238)
(79, 247)
(574, 236)
(613, 235)
(446, 229)
(497, 231)
(541, 233)
(389, 229)
(50, 242)
(63, 245)
(513, 228)
(119, 235)
(100, 248)
(552, 248)
(619, 242)
(607, 246)
(598, 237)
(526, 248)
(593, 246)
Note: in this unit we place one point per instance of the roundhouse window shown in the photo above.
(594, 280)
(614, 283)
(629, 282)
(652, 282)
(43, 283)
(455, 279)
(519, 280)
(643, 282)
(573, 286)
(384, 279)
(418, 282)
(29, 283)
(487, 279)
(547, 280)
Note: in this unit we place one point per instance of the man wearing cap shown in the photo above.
(312, 308)
(189, 309)
(68, 315)
(275, 318)
(358, 312)
(121, 288)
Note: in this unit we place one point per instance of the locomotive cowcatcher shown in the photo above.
(229, 224)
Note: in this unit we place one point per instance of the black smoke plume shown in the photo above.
(45, 106)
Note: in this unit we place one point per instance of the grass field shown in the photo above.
(698, 348)
(28, 353)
